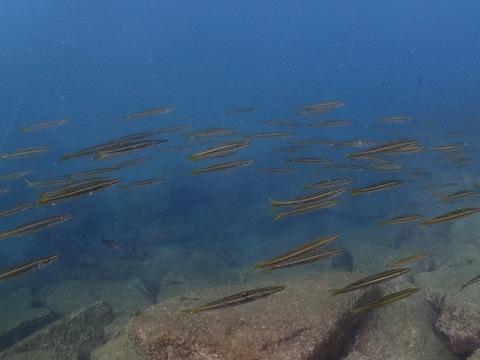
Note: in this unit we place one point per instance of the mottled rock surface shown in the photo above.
(81, 331)
(459, 323)
(118, 346)
(458, 313)
(399, 331)
(300, 322)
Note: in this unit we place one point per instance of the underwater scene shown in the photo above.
(240, 180)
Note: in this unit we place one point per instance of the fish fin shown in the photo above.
(274, 206)
(43, 199)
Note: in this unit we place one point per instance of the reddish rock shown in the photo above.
(300, 322)
(436, 299)
(459, 327)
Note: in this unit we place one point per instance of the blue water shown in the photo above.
(95, 62)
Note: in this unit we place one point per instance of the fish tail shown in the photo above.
(194, 172)
(335, 292)
(274, 206)
(258, 266)
(43, 200)
(29, 184)
(192, 158)
(190, 311)
(357, 310)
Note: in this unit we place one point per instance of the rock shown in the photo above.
(19, 318)
(436, 299)
(436, 285)
(475, 355)
(80, 331)
(45, 355)
(459, 323)
(300, 322)
(68, 296)
(124, 297)
(401, 330)
(117, 327)
(120, 348)
(173, 284)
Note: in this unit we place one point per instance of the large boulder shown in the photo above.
(301, 322)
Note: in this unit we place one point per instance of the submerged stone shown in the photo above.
(19, 317)
(301, 322)
(458, 312)
(80, 331)
(401, 330)
(123, 297)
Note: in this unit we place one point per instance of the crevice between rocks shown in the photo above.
(341, 340)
